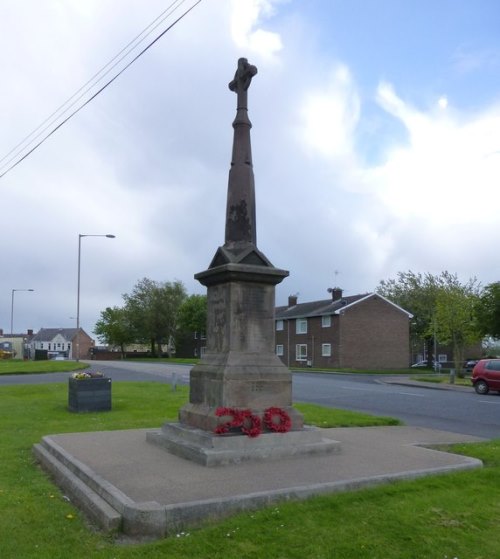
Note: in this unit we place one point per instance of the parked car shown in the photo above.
(486, 376)
(470, 364)
(418, 364)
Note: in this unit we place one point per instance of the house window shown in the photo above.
(279, 349)
(326, 321)
(301, 352)
(203, 336)
(442, 358)
(202, 351)
(279, 324)
(49, 347)
(41, 345)
(326, 350)
(301, 326)
(196, 335)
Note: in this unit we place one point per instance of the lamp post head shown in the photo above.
(111, 236)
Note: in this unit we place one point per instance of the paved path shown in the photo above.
(159, 493)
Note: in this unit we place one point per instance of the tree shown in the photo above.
(416, 293)
(113, 328)
(431, 300)
(454, 320)
(192, 320)
(193, 314)
(153, 309)
(488, 311)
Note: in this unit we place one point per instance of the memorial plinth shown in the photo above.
(240, 369)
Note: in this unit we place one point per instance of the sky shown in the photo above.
(375, 139)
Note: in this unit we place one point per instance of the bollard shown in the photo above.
(174, 381)
(452, 376)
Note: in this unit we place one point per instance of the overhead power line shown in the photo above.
(90, 84)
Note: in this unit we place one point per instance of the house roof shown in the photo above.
(328, 307)
(48, 334)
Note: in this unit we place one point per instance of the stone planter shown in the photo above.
(92, 394)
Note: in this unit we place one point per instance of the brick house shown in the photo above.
(61, 342)
(359, 332)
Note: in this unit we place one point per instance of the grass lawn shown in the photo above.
(439, 517)
(17, 366)
(444, 379)
(394, 372)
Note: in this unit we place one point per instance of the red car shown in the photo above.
(486, 376)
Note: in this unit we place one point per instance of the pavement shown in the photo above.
(124, 483)
(407, 381)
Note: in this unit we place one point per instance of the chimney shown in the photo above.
(1, 331)
(30, 332)
(292, 300)
(336, 293)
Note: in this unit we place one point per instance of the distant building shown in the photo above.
(190, 344)
(15, 346)
(356, 332)
(61, 342)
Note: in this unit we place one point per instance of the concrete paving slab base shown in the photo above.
(125, 484)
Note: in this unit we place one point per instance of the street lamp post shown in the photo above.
(78, 290)
(12, 309)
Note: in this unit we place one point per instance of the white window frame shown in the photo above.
(442, 358)
(301, 326)
(326, 350)
(326, 321)
(301, 352)
(280, 350)
(279, 324)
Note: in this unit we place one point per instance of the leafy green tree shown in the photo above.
(192, 318)
(488, 311)
(419, 294)
(193, 314)
(113, 328)
(455, 320)
(153, 309)
(416, 293)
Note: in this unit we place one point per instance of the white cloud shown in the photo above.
(449, 161)
(246, 16)
(443, 102)
(330, 115)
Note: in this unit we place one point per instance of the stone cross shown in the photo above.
(240, 212)
(240, 369)
(242, 79)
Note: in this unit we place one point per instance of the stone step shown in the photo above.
(98, 510)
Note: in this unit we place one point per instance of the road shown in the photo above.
(460, 411)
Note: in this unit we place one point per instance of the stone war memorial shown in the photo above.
(240, 405)
(213, 461)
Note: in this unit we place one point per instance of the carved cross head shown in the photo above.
(243, 76)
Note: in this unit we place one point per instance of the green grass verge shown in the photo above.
(394, 372)
(444, 379)
(446, 516)
(17, 367)
(328, 417)
(171, 360)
